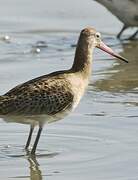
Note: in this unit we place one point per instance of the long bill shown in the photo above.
(107, 49)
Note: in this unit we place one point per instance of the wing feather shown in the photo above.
(40, 96)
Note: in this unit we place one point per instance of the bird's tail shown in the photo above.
(5, 104)
(1, 98)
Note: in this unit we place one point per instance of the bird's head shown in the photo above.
(90, 37)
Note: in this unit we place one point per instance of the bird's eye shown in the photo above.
(98, 35)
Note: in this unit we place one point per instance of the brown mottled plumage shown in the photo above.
(49, 94)
(51, 97)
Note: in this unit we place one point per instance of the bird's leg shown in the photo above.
(120, 33)
(36, 140)
(133, 36)
(29, 137)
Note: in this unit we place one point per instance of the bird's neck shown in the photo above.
(83, 60)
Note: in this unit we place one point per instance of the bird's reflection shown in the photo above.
(122, 77)
(35, 172)
(34, 166)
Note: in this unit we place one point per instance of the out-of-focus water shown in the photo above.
(99, 140)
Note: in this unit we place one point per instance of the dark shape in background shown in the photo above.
(126, 11)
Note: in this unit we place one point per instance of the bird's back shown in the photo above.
(49, 94)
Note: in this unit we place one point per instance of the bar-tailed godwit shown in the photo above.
(51, 97)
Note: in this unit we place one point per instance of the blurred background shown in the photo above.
(50, 15)
(99, 140)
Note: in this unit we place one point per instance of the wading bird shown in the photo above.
(51, 97)
(126, 11)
